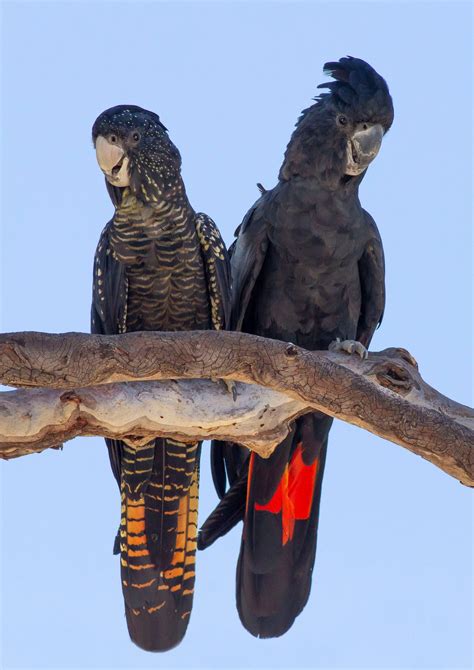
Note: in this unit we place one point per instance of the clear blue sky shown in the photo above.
(393, 580)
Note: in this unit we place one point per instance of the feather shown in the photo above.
(228, 512)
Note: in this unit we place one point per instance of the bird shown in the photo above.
(159, 266)
(307, 268)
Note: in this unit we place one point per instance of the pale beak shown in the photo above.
(112, 161)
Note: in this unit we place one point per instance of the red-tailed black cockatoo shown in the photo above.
(307, 268)
(159, 266)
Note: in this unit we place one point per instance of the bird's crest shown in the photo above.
(358, 86)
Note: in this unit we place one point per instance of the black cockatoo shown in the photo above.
(158, 266)
(307, 268)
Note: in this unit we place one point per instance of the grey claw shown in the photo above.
(349, 347)
(231, 387)
(361, 350)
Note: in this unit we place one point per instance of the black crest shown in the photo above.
(359, 87)
(318, 146)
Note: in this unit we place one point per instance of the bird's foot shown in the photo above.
(349, 347)
(230, 386)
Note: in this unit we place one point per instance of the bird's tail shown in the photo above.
(280, 510)
(158, 545)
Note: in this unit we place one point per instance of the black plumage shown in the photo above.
(158, 266)
(307, 267)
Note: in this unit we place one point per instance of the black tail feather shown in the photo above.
(227, 514)
(159, 630)
(227, 460)
(278, 546)
(158, 534)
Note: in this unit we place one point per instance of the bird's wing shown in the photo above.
(216, 263)
(372, 282)
(108, 312)
(248, 254)
(109, 289)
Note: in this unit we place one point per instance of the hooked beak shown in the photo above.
(112, 161)
(362, 148)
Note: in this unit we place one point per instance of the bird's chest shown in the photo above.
(321, 239)
(310, 279)
(166, 282)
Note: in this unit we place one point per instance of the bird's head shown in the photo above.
(339, 136)
(134, 150)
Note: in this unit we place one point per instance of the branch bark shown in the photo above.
(384, 394)
(185, 410)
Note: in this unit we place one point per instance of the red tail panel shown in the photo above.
(302, 481)
(294, 494)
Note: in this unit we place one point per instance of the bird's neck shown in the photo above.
(148, 212)
(314, 188)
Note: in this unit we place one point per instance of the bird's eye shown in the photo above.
(113, 139)
(342, 119)
(136, 137)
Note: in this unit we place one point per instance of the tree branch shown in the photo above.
(384, 394)
(185, 410)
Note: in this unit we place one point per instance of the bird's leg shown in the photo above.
(349, 347)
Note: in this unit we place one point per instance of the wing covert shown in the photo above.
(109, 290)
(372, 283)
(217, 267)
(248, 255)
(109, 312)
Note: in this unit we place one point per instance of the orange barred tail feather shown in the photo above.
(280, 529)
(158, 540)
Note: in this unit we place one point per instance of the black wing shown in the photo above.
(372, 282)
(109, 311)
(216, 263)
(248, 254)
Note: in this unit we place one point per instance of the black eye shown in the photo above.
(136, 137)
(113, 139)
(342, 119)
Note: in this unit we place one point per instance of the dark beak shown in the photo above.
(366, 144)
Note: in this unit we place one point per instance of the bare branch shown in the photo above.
(186, 410)
(384, 394)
